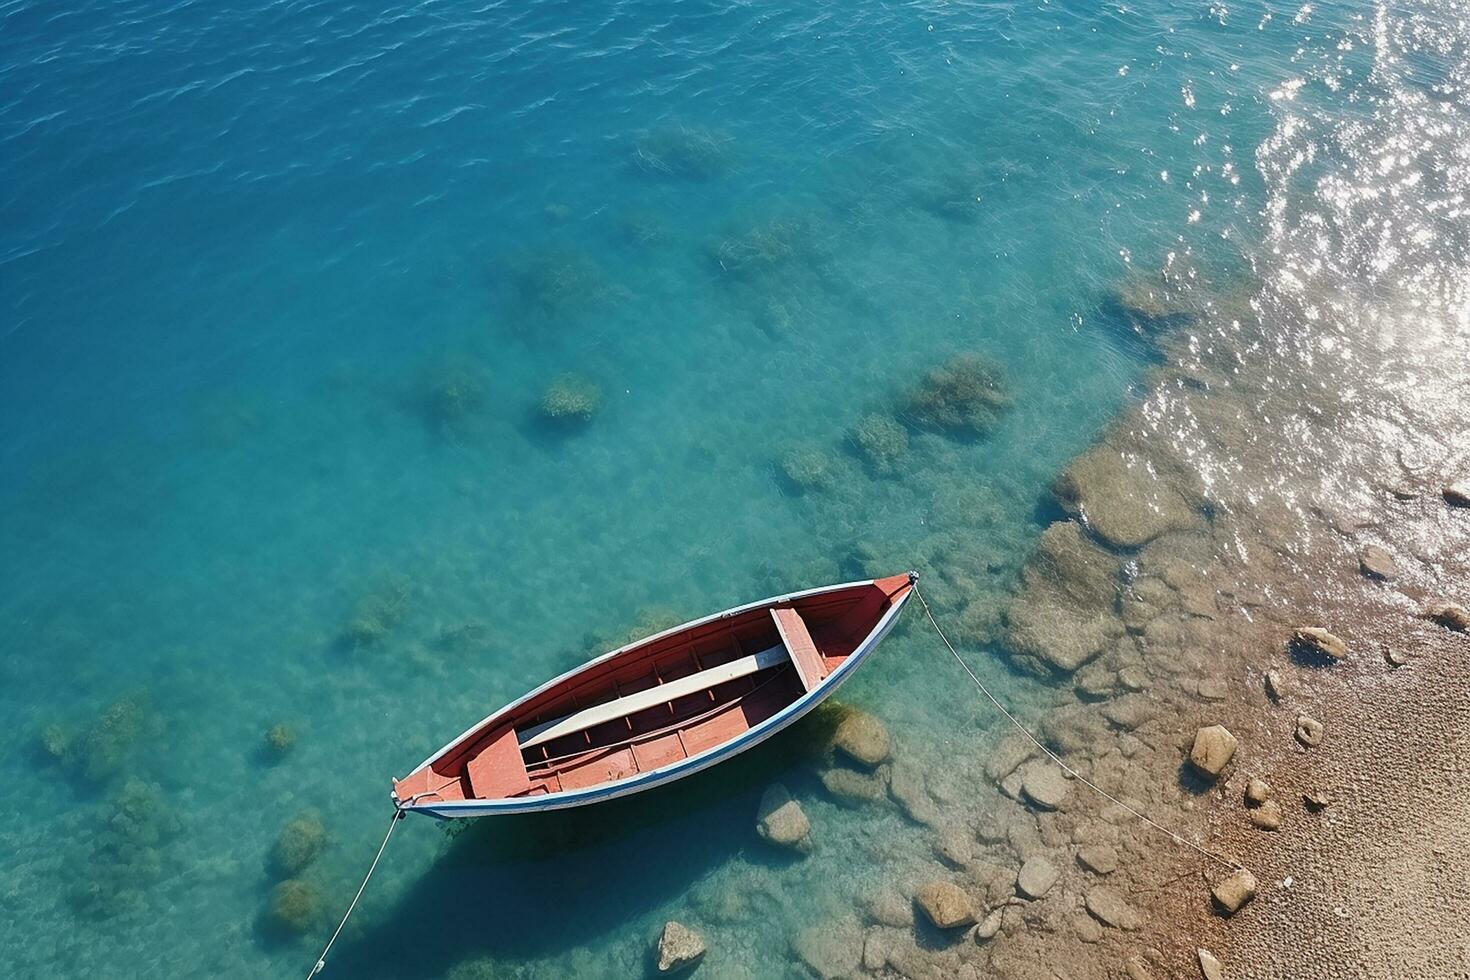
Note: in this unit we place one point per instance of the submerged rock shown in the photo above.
(1125, 505)
(679, 948)
(1233, 891)
(862, 738)
(1315, 639)
(1044, 785)
(1110, 908)
(964, 396)
(989, 926)
(781, 820)
(1064, 614)
(831, 950)
(954, 846)
(852, 788)
(945, 904)
(1036, 877)
(1213, 749)
(1309, 731)
(906, 786)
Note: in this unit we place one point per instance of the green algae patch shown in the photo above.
(300, 842)
(966, 396)
(692, 153)
(135, 822)
(103, 749)
(280, 740)
(294, 906)
(571, 400)
(377, 615)
(450, 392)
(556, 282)
(807, 468)
(882, 443)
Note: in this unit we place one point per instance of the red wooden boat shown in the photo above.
(661, 708)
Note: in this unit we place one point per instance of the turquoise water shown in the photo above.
(283, 288)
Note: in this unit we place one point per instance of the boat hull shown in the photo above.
(642, 782)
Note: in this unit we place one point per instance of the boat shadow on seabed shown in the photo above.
(527, 886)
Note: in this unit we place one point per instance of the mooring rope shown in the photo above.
(321, 961)
(1234, 865)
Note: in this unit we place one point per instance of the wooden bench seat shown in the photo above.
(642, 700)
(810, 664)
(498, 770)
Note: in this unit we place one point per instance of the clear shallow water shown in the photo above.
(283, 288)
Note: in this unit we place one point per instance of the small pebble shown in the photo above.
(1316, 801)
(1267, 816)
(1277, 687)
(1394, 657)
(1309, 731)
(1257, 792)
(1450, 615)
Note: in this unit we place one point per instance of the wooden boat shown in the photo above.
(661, 708)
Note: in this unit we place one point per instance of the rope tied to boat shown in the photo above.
(398, 814)
(1206, 852)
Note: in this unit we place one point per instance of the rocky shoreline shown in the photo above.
(1250, 613)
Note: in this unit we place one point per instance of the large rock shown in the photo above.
(1125, 502)
(679, 948)
(906, 786)
(781, 820)
(945, 904)
(1213, 749)
(1316, 640)
(852, 788)
(1036, 877)
(832, 950)
(862, 738)
(1111, 909)
(1043, 784)
(1234, 890)
(1064, 614)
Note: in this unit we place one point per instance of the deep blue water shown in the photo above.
(281, 289)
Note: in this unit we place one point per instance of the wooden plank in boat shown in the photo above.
(498, 770)
(811, 666)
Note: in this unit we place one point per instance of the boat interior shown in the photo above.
(659, 701)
